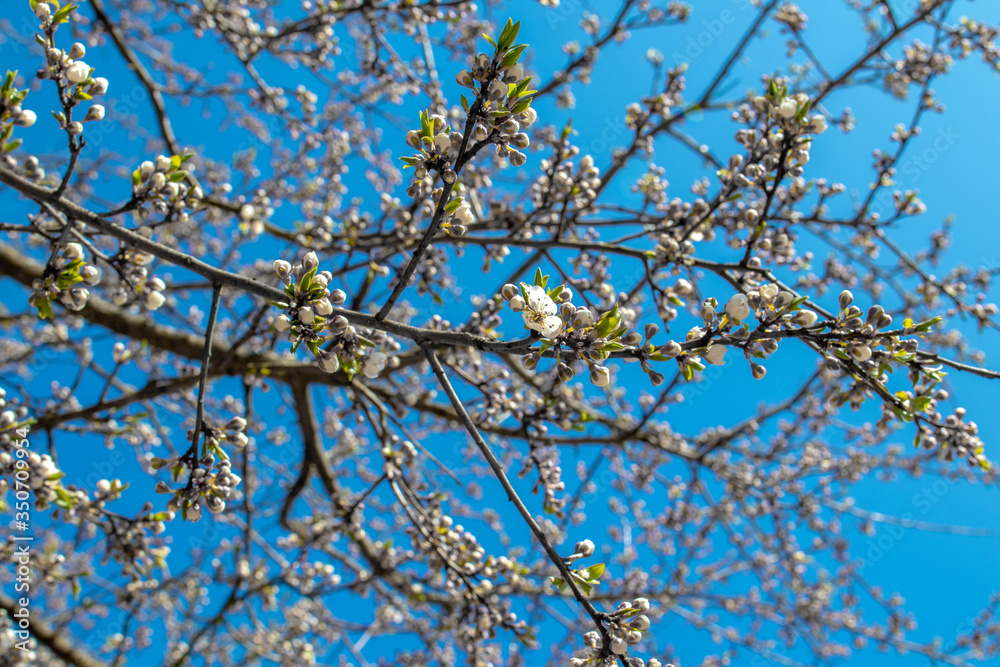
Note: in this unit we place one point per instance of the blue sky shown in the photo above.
(945, 578)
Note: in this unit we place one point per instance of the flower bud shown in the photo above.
(585, 548)
(600, 376)
(43, 11)
(804, 318)
(282, 269)
(72, 252)
(757, 370)
(282, 323)
(323, 307)
(26, 118)
(737, 308)
(306, 315)
(509, 291)
(309, 261)
(846, 298)
(98, 87)
(516, 303)
(338, 297)
(154, 300)
(530, 361)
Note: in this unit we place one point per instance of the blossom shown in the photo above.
(282, 323)
(768, 291)
(374, 363)
(738, 309)
(715, 355)
(306, 315)
(540, 313)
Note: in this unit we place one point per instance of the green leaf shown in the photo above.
(594, 572)
(44, 307)
(490, 40)
(919, 403)
(62, 15)
(539, 278)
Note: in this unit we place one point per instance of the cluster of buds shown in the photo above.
(563, 181)
(70, 72)
(438, 148)
(551, 313)
(131, 265)
(210, 483)
(64, 280)
(24, 467)
(502, 104)
(624, 629)
(459, 217)
(162, 183)
(669, 251)
(12, 114)
(588, 578)
(309, 318)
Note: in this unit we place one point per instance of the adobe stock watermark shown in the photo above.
(889, 535)
(22, 538)
(711, 29)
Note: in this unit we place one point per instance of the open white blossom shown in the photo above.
(540, 313)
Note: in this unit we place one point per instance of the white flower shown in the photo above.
(282, 323)
(374, 363)
(769, 291)
(78, 72)
(247, 212)
(306, 315)
(715, 355)
(540, 313)
(738, 308)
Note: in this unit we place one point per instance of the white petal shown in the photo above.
(551, 326)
